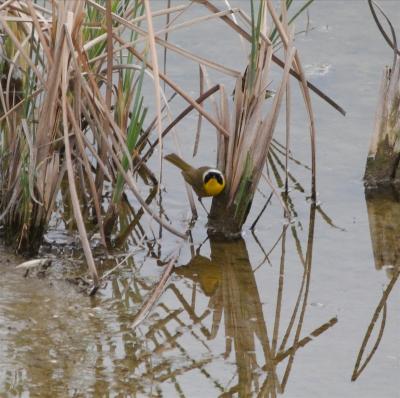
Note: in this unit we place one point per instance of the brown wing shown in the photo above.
(194, 177)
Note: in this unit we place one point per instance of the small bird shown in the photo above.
(205, 181)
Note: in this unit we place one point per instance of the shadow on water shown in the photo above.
(384, 223)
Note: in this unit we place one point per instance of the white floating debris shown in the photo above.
(320, 305)
(317, 69)
(39, 262)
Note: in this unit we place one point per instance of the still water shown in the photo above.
(306, 309)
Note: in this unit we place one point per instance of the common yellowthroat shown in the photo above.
(205, 181)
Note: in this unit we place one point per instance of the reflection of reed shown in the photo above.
(236, 300)
(180, 341)
(381, 308)
(239, 300)
(384, 224)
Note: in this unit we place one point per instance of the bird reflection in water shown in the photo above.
(228, 279)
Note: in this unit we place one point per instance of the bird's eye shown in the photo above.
(216, 176)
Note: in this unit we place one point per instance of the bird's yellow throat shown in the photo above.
(213, 187)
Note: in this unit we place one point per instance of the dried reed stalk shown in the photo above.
(384, 152)
(382, 167)
(243, 154)
(56, 122)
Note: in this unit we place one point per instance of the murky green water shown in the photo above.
(299, 309)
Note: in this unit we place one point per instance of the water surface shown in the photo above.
(293, 309)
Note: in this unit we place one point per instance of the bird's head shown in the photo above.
(213, 182)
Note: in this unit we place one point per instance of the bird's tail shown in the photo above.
(178, 162)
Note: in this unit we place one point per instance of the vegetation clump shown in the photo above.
(75, 128)
(383, 162)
